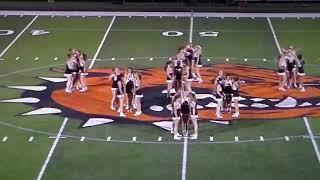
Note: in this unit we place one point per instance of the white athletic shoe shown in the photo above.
(194, 136)
(171, 131)
(235, 115)
(175, 137)
(138, 113)
(281, 89)
(302, 89)
(122, 115)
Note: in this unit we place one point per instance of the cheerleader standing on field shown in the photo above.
(176, 109)
(120, 95)
(185, 113)
(129, 88)
(83, 71)
(194, 115)
(236, 96)
(178, 72)
(197, 63)
(282, 65)
(189, 77)
(115, 77)
(138, 94)
(301, 73)
(219, 97)
(71, 67)
(228, 93)
(169, 72)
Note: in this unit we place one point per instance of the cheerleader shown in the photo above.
(120, 96)
(178, 72)
(291, 69)
(227, 89)
(282, 65)
(301, 73)
(219, 97)
(185, 113)
(169, 71)
(69, 72)
(83, 71)
(129, 88)
(197, 63)
(236, 96)
(220, 77)
(188, 76)
(176, 109)
(194, 115)
(114, 77)
(138, 94)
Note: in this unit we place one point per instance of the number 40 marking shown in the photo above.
(201, 34)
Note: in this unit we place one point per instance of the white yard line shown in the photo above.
(101, 43)
(191, 28)
(274, 35)
(17, 37)
(184, 159)
(306, 122)
(53, 147)
(314, 143)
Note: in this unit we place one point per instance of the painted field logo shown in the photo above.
(260, 98)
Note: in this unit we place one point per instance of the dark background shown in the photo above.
(166, 5)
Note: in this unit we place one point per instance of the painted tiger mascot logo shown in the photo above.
(260, 98)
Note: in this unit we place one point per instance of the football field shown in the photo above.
(47, 134)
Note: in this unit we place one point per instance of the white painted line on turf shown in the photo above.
(55, 137)
(191, 28)
(17, 37)
(101, 43)
(36, 59)
(236, 138)
(261, 138)
(56, 58)
(109, 138)
(245, 59)
(131, 59)
(210, 138)
(31, 139)
(286, 138)
(208, 60)
(46, 162)
(82, 138)
(17, 58)
(274, 35)
(184, 159)
(314, 143)
(227, 59)
(134, 139)
(151, 59)
(5, 139)
(159, 138)
(113, 59)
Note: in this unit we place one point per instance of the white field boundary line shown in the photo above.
(17, 37)
(46, 162)
(153, 14)
(102, 42)
(306, 122)
(191, 28)
(314, 143)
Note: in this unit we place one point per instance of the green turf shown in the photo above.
(101, 160)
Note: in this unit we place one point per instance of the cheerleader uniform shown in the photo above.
(236, 88)
(228, 90)
(282, 68)
(220, 90)
(290, 59)
(301, 68)
(129, 84)
(138, 89)
(115, 79)
(185, 111)
(190, 77)
(169, 69)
